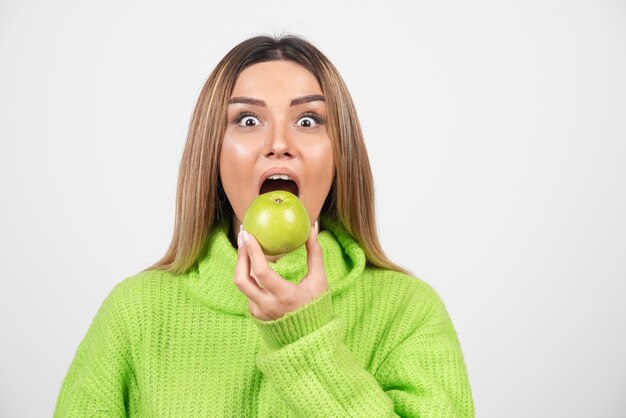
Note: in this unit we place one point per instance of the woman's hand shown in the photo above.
(277, 296)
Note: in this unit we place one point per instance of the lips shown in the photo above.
(264, 183)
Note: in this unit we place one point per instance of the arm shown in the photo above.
(97, 381)
(425, 374)
(307, 362)
(305, 358)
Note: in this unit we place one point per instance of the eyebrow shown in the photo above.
(295, 102)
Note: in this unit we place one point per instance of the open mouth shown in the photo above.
(280, 182)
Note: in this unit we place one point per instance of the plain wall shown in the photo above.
(496, 133)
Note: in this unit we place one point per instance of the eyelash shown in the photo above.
(242, 115)
(317, 118)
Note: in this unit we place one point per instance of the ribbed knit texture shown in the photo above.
(378, 343)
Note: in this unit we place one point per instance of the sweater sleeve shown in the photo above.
(425, 374)
(308, 363)
(96, 382)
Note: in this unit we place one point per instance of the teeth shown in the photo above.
(279, 177)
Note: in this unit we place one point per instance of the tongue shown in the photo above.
(271, 185)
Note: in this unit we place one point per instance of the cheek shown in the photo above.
(228, 157)
(236, 167)
(327, 166)
(322, 173)
(235, 160)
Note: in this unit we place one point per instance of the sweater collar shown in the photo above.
(211, 280)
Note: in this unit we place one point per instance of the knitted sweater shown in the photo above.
(377, 343)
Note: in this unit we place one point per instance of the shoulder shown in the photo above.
(408, 301)
(410, 289)
(136, 294)
(140, 283)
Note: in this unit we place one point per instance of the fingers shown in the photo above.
(276, 296)
(315, 256)
(259, 267)
(242, 278)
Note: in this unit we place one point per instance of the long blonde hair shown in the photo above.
(200, 199)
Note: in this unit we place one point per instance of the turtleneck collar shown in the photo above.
(211, 280)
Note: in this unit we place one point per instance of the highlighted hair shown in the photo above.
(200, 200)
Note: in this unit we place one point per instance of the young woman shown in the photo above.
(216, 328)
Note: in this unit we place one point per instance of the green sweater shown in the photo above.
(378, 343)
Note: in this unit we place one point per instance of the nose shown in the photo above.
(279, 142)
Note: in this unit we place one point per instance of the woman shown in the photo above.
(216, 328)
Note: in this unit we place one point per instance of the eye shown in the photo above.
(247, 119)
(310, 120)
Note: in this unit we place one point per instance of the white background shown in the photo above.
(496, 132)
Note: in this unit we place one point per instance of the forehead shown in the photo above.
(275, 78)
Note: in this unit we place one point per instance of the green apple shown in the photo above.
(279, 222)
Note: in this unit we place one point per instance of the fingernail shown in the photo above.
(316, 228)
(243, 238)
(240, 227)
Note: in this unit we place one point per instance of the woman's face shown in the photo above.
(276, 126)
